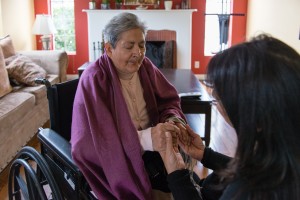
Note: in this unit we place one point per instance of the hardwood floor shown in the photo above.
(223, 140)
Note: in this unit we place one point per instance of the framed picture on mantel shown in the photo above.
(140, 2)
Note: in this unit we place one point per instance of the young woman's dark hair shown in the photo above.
(258, 84)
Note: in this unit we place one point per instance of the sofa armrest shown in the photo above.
(54, 62)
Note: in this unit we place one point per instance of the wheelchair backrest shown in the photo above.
(61, 98)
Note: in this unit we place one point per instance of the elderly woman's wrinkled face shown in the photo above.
(129, 52)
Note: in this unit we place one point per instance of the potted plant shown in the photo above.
(105, 4)
(92, 4)
(118, 4)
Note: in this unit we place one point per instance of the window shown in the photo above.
(216, 22)
(64, 21)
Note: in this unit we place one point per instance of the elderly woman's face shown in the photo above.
(129, 52)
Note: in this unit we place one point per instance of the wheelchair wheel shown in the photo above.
(29, 176)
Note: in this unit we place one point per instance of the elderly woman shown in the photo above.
(123, 105)
(257, 84)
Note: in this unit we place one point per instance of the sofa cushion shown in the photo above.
(14, 106)
(38, 91)
(5, 87)
(23, 69)
(54, 62)
(7, 46)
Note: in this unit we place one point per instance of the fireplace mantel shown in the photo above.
(179, 20)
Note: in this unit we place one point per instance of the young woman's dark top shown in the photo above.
(182, 188)
(257, 85)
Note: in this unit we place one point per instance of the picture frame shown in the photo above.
(140, 2)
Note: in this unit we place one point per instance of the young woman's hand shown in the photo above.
(193, 146)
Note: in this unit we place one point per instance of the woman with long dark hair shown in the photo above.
(257, 83)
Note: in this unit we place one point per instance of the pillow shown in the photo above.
(5, 87)
(7, 46)
(24, 70)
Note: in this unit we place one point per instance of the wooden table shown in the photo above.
(184, 80)
(82, 68)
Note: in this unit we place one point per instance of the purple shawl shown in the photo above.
(105, 144)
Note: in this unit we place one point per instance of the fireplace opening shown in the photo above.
(161, 48)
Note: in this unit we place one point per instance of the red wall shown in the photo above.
(238, 25)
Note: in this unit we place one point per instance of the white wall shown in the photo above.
(182, 26)
(17, 17)
(280, 18)
(1, 29)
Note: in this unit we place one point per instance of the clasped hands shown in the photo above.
(166, 139)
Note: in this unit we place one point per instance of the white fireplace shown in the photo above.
(179, 20)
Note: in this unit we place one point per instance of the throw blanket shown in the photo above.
(105, 144)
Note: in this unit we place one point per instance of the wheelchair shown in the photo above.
(54, 165)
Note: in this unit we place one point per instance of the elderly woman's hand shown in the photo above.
(170, 155)
(158, 135)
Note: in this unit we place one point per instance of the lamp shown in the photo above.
(43, 25)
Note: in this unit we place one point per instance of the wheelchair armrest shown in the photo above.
(43, 81)
(57, 151)
(58, 145)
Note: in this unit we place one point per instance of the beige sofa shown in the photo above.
(25, 108)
